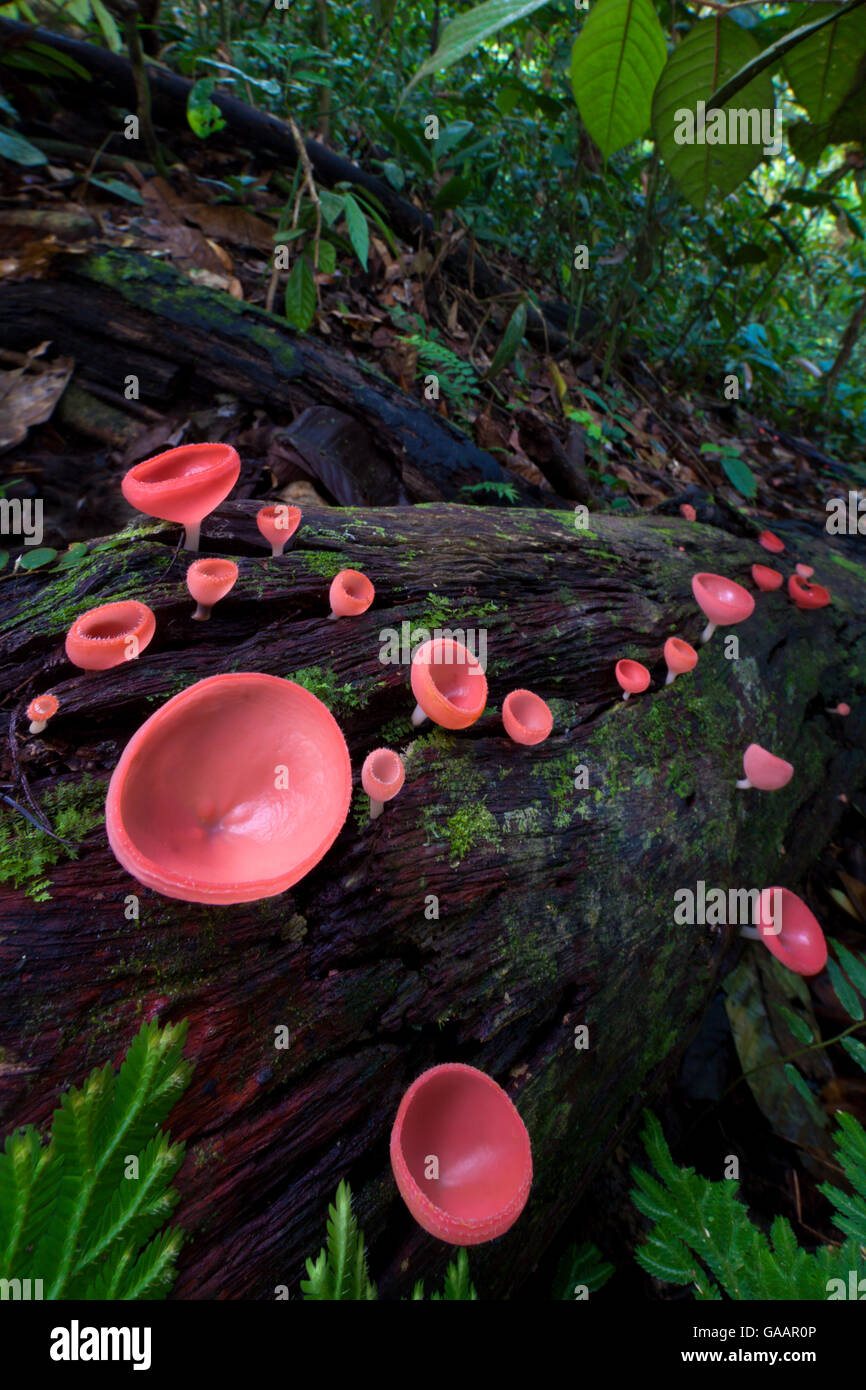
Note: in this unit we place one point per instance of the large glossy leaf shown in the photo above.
(464, 34)
(822, 69)
(617, 59)
(711, 52)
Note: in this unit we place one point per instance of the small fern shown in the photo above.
(582, 1270)
(458, 380)
(78, 1213)
(702, 1234)
(340, 1270)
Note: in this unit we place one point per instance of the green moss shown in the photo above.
(325, 562)
(340, 696)
(443, 612)
(558, 777)
(73, 809)
(468, 827)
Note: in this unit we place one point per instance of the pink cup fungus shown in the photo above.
(382, 776)
(766, 579)
(807, 596)
(722, 602)
(461, 1155)
(841, 708)
(764, 770)
(351, 594)
(632, 677)
(278, 524)
(688, 511)
(183, 484)
(208, 581)
(679, 658)
(109, 635)
(40, 710)
(526, 717)
(788, 929)
(231, 792)
(805, 571)
(448, 683)
(771, 542)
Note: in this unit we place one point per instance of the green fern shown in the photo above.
(457, 379)
(581, 1267)
(340, 1270)
(702, 1234)
(71, 1213)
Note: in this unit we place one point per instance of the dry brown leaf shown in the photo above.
(28, 397)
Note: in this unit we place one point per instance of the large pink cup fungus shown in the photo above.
(679, 658)
(40, 710)
(771, 542)
(382, 776)
(209, 581)
(278, 524)
(461, 1155)
(722, 601)
(631, 677)
(764, 770)
(351, 594)
(527, 718)
(806, 595)
(109, 635)
(448, 683)
(231, 792)
(183, 484)
(767, 580)
(788, 929)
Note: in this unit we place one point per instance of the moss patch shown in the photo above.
(340, 696)
(72, 810)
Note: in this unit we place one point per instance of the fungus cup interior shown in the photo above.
(680, 656)
(463, 1117)
(231, 792)
(356, 586)
(211, 579)
(722, 600)
(529, 710)
(454, 673)
(184, 484)
(103, 637)
(800, 945)
(632, 676)
(385, 768)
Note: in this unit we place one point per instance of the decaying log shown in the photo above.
(555, 900)
(119, 313)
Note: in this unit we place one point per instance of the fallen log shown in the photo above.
(499, 903)
(547, 324)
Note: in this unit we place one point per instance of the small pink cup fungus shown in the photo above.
(448, 683)
(805, 571)
(526, 717)
(231, 792)
(679, 658)
(771, 542)
(766, 579)
(278, 524)
(722, 601)
(40, 710)
(632, 677)
(109, 635)
(208, 581)
(183, 484)
(382, 776)
(351, 594)
(688, 511)
(764, 770)
(806, 595)
(461, 1156)
(841, 708)
(790, 931)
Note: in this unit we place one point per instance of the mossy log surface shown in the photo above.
(555, 902)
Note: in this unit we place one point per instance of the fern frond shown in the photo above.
(28, 1186)
(340, 1271)
(581, 1265)
(850, 1213)
(458, 1287)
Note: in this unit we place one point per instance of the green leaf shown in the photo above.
(340, 1271)
(119, 189)
(458, 1287)
(359, 232)
(301, 295)
(4, 559)
(855, 968)
(332, 205)
(511, 340)
(822, 68)
(844, 993)
(454, 192)
(799, 1027)
(33, 559)
(581, 1265)
(739, 474)
(464, 34)
(203, 115)
(799, 1084)
(856, 1051)
(110, 31)
(714, 48)
(18, 150)
(327, 257)
(617, 59)
(750, 253)
(73, 557)
(394, 174)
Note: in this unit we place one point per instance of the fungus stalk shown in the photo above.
(418, 715)
(191, 540)
(708, 632)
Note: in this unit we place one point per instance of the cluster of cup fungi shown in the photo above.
(194, 809)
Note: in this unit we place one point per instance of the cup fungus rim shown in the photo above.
(773, 940)
(538, 732)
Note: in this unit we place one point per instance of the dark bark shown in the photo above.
(262, 132)
(555, 903)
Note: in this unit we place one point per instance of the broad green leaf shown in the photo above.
(33, 559)
(770, 57)
(359, 232)
(394, 174)
(854, 967)
(856, 1051)
(119, 189)
(739, 475)
(511, 340)
(105, 20)
(844, 993)
(203, 114)
(464, 34)
(4, 559)
(18, 150)
(822, 69)
(332, 205)
(617, 59)
(73, 557)
(327, 257)
(798, 1026)
(301, 295)
(454, 191)
(714, 49)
